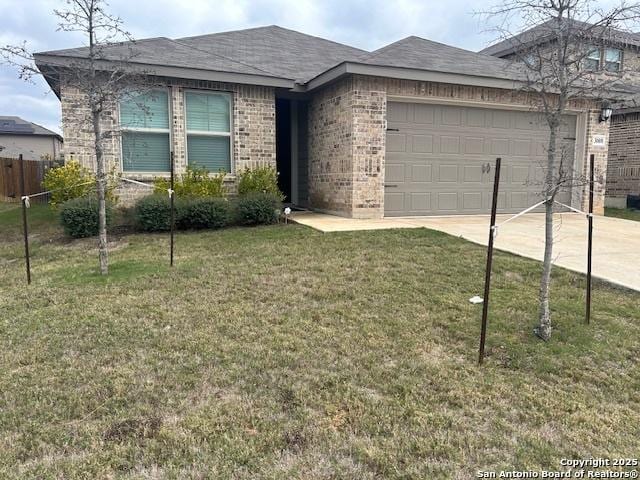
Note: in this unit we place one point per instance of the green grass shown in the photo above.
(625, 213)
(279, 352)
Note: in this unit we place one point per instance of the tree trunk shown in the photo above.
(101, 191)
(543, 330)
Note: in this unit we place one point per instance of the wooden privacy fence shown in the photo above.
(34, 171)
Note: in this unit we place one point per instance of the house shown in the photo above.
(33, 142)
(618, 56)
(412, 128)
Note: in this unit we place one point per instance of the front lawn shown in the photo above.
(281, 352)
(625, 213)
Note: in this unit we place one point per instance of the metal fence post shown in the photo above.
(171, 199)
(590, 236)
(25, 228)
(487, 276)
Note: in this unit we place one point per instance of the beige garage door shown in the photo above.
(440, 159)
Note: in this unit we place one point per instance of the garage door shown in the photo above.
(440, 159)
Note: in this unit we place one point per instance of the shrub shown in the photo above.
(195, 182)
(259, 180)
(199, 213)
(152, 213)
(258, 208)
(72, 180)
(67, 182)
(79, 216)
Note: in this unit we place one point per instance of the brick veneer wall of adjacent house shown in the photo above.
(253, 134)
(623, 167)
(347, 131)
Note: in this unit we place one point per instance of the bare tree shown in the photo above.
(556, 60)
(101, 72)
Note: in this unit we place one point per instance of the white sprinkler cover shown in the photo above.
(287, 211)
(475, 300)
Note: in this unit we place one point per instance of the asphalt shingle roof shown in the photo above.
(541, 33)
(282, 53)
(17, 126)
(419, 53)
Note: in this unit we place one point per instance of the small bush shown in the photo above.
(67, 182)
(79, 216)
(72, 180)
(152, 213)
(257, 209)
(195, 182)
(259, 180)
(199, 213)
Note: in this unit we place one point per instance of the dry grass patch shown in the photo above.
(280, 352)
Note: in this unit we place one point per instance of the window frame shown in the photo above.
(208, 133)
(605, 61)
(587, 57)
(168, 130)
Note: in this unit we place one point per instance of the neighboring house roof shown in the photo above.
(544, 32)
(10, 125)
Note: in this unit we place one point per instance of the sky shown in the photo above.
(367, 24)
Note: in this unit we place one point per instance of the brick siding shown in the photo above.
(347, 131)
(253, 134)
(623, 169)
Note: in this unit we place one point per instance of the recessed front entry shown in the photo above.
(440, 159)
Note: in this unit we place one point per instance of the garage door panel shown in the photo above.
(396, 142)
(449, 144)
(448, 173)
(395, 173)
(420, 202)
(448, 201)
(439, 166)
(520, 174)
(394, 202)
(424, 114)
(476, 117)
(421, 173)
(499, 146)
(451, 116)
(522, 148)
(397, 112)
(422, 144)
(500, 119)
(474, 145)
(472, 174)
(472, 200)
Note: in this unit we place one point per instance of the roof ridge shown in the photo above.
(222, 56)
(274, 26)
(386, 48)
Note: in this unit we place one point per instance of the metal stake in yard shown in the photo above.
(25, 228)
(171, 200)
(487, 276)
(590, 235)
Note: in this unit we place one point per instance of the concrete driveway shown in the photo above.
(616, 244)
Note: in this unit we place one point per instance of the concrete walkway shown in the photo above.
(616, 244)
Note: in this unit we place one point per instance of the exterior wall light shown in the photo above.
(605, 112)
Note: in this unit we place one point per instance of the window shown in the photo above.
(144, 121)
(612, 59)
(208, 117)
(592, 60)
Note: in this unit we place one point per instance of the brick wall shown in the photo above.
(347, 131)
(623, 168)
(330, 119)
(253, 134)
